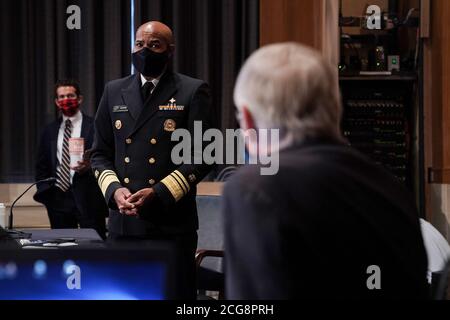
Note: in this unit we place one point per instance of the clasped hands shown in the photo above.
(129, 204)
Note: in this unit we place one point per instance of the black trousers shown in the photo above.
(185, 246)
(63, 213)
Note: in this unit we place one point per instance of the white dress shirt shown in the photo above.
(437, 247)
(155, 82)
(77, 121)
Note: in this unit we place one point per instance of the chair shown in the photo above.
(440, 283)
(438, 253)
(210, 246)
(226, 173)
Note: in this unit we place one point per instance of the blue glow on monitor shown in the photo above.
(105, 280)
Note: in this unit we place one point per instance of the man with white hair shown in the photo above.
(330, 223)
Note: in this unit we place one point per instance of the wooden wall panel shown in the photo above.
(436, 88)
(291, 20)
(437, 93)
(311, 22)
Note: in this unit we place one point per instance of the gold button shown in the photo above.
(152, 160)
(129, 141)
(153, 141)
(127, 160)
(126, 180)
(151, 181)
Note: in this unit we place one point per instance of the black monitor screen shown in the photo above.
(85, 275)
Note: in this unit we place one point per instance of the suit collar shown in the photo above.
(155, 81)
(54, 140)
(77, 117)
(315, 141)
(85, 125)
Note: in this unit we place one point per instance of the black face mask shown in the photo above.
(150, 63)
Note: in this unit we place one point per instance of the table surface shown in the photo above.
(77, 234)
(85, 238)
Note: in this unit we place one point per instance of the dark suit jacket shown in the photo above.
(88, 197)
(133, 146)
(313, 229)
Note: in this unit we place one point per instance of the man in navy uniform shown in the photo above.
(150, 197)
(75, 199)
(330, 223)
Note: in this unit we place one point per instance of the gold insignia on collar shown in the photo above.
(118, 124)
(170, 125)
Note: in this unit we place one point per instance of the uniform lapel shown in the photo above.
(164, 91)
(132, 97)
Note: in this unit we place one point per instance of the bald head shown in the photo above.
(156, 36)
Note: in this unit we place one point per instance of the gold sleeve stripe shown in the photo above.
(174, 187)
(103, 176)
(180, 179)
(106, 179)
(179, 183)
(186, 183)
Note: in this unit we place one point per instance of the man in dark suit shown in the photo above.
(329, 223)
(75, 200)
(150, 196)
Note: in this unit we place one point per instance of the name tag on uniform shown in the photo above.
(119, 109)
(171, 106)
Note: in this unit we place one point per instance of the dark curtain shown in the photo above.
(212, 38)
(36, 50)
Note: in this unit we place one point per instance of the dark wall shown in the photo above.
(213, 39)
(37, 49)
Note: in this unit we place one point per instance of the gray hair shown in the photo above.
(291, 87)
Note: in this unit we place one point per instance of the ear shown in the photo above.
(247, 121)
(248, 125)
(80, 100)
(57, 103)
(171, 50)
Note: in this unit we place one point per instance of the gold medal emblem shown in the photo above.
(118, 124)
(170, 125)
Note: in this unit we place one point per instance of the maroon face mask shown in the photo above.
(69, 107)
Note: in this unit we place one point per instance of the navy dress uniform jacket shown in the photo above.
(133, 146)
(87, 195)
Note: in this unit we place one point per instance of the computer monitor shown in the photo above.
(87, 274)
